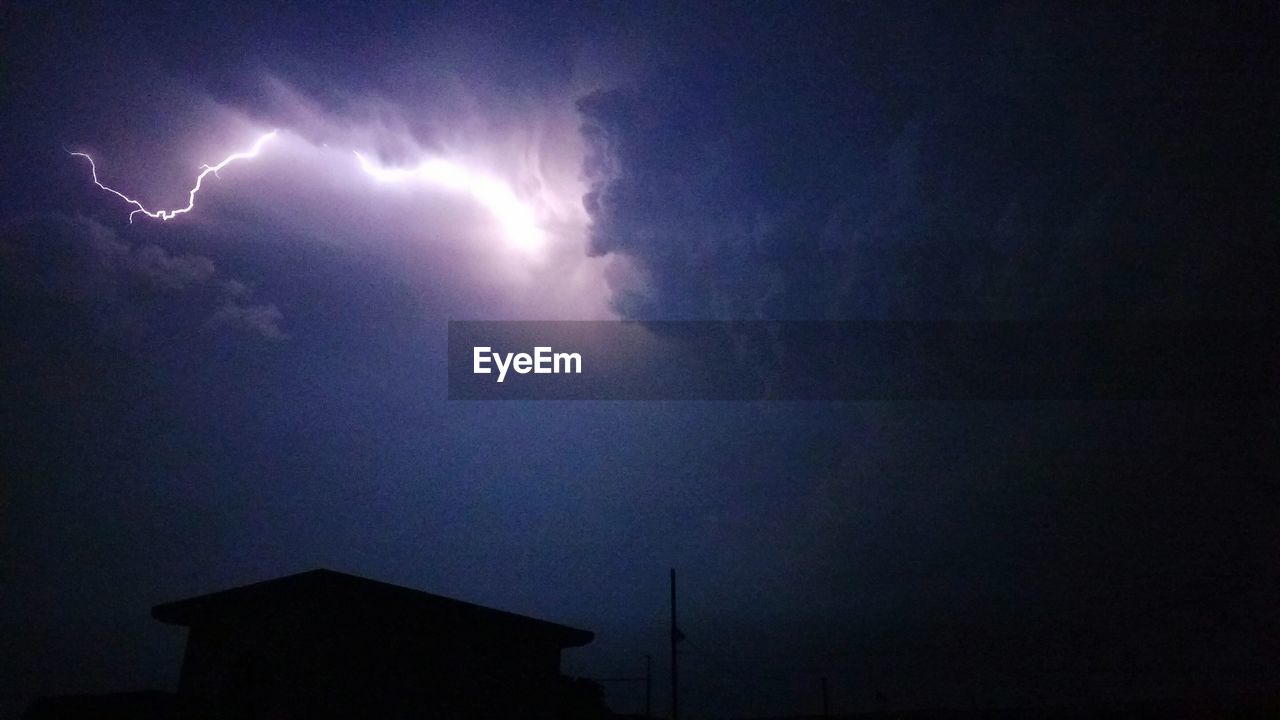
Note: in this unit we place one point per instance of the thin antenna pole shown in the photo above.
(675, 665)
(648, 686)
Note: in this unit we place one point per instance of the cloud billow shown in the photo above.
(77, 262)
(845, 184)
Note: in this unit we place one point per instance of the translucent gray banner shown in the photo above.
(750, 360)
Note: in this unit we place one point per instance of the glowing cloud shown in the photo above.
(517, 217)
(191, 196)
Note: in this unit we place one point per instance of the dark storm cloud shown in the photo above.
(128, 288)
(1024, 172)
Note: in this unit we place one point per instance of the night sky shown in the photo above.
(257, 387)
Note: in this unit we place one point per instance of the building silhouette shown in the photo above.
(324, 644)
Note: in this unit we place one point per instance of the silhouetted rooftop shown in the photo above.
(334, 593)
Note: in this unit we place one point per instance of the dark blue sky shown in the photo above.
(257, 388)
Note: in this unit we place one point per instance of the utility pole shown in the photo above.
(826, 701)
(675, 666)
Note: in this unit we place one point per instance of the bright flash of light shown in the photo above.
(191, 196)
(516, 216)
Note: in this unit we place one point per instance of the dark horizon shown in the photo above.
(260, 386)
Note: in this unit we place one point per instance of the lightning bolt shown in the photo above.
(517, 217)
(191, 196)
